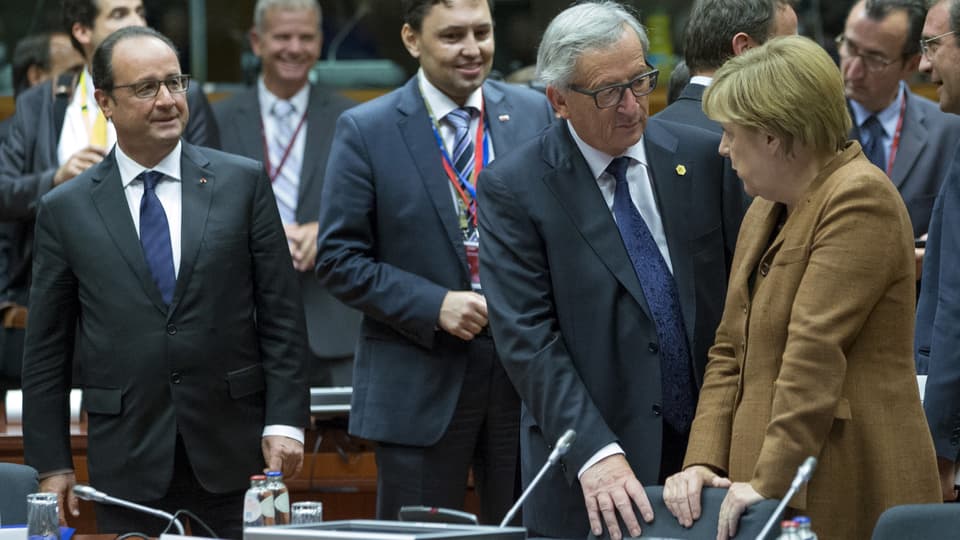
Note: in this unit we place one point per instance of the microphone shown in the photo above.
(804, 472)
(560, 449)
(88, 493)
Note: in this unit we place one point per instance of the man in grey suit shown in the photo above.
(903, 134)
(606, 244)
(398, 242)
(162, 273)
(288, 124)
(718, 30)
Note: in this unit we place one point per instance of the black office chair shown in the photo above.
(18, 481)
(918, 522)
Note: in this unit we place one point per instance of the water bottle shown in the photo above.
(804, 532)
(788, 531)
(258, 503)
(281, 498)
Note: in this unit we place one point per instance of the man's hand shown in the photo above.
(610, 488)
(948, 478)
(739, 497)
(303, 244)
(282, 454)
(463, 314)
(681, 492)
(78, 162)
(62, 485)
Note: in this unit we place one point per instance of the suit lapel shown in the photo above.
(249, 125)
(111, 203)
(499, 115)
(913, 137)
(196, 193)
(319, 135)
(573, 185)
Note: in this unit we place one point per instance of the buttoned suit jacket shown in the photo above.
(222, 361)
(927, 139)
(332, 327)
(390, 245)
(567, 310)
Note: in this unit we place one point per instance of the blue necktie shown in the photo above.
(463, 156)
(660, 291)
(155, 237)
(873, 146)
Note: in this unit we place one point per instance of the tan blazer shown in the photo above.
(817, 361)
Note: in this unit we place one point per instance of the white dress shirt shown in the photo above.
(75, 134)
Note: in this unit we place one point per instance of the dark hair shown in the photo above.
(916, 11)
(33, 50)
(955, 19)
(78, 11)
(415, 10)
(679, 78)
(101, 67)
(713, 23)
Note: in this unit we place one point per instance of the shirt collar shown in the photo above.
(702, 80)
(598, 160)
(440, 103)
(300, 100)
(130, 169)
(888, 117)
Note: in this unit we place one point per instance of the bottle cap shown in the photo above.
(274, 474)
(258, 477)
(801, 520)
(787, 525)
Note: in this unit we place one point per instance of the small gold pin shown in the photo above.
(681, 170)
(203, 180)
(504, 118)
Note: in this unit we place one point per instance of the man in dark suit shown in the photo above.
(162, 272)
(903, 134)
(57, 133)
(398, 242)
(718, 30)
(937, 342)
(606, 243)
(285, 112)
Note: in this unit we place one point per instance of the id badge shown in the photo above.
(472, 245)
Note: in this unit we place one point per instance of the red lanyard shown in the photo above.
(274, 173)
(896, 134)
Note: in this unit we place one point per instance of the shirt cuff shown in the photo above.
(611, 449)
(289, 432)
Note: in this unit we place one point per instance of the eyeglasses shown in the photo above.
(929, 46)
(871, 61)
(610, 96)
(177, 84)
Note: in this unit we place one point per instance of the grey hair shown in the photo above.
(578, 29)
(263, 6)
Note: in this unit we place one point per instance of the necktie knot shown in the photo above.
(873, 146)
(460, 118)
(282, 109)
(618, 168)
(873, 126)
(150, 179)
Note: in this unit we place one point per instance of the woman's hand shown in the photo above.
(739, 497)
(681, 492)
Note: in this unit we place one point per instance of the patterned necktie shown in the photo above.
(660, 291)
(463, 154)
(155, 237)
(286, 181)
(873, 147)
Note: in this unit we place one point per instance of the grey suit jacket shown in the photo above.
(390, 245)
(927, 140)
(568, 312)
(332, 327)
(222, 361)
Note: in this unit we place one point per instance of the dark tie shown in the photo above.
(155, 237)
(462, 145)
(660, 290)
(873, 147)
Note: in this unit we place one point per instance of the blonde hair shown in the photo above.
(788, 87)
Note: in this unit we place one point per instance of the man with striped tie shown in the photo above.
(398, 241)
(287, 123)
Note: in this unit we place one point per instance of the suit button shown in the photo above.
(764, 268)
(657, 409)
(175, 377)
(653, 347)
(171, 329)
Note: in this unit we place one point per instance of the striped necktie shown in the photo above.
(286, 181)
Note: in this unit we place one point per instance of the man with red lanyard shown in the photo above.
(397, 241)
(905, 135)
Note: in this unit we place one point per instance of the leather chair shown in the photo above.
(918, 522)
(18, 481)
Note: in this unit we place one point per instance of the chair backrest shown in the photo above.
(18, 481)
(666, 526)
(918, 522)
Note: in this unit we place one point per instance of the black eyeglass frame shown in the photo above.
(652, 75)
(183, 80)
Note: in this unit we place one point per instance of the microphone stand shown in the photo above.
(88, 493)
(803, 475)
(559, 450)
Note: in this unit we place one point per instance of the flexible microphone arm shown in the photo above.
(803, 475)
(559, 450)
(88, 493)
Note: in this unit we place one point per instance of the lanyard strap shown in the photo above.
(274, 173)
(895, 145)
(85, 107)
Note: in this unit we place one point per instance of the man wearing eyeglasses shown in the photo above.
(937, 342)
(162, 271)
(606, 246)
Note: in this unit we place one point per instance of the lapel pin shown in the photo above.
(681, 170)
(203, 180)
(504, 118)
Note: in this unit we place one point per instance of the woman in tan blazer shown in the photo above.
(813, 354)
